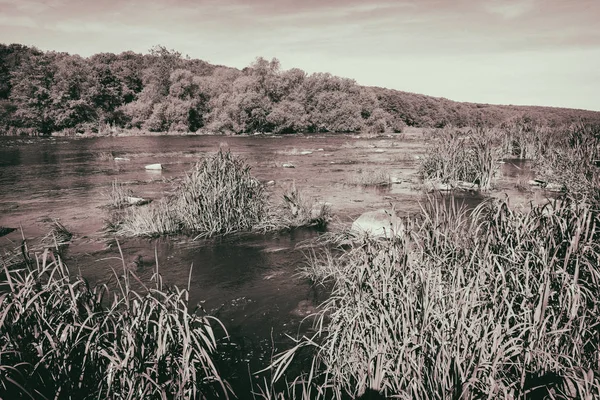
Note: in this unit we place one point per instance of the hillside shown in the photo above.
(46, 92)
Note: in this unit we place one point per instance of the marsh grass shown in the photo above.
(106, 156)
(219, 196)
(62, 338)
(455, 156)
(118, 195)
(500, 304)
(58, 235)
(373, 177)
(295, 210)
(570, 161)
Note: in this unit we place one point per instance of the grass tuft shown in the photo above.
(498, 304)
(62, 338)
(455, 156)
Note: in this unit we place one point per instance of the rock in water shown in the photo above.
(136, 201)
(5, 231)
(154, 167)
(379, 223)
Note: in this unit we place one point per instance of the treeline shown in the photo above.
(46, 92)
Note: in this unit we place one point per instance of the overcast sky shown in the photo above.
(538, 52)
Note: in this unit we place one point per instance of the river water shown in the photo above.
(248, 281)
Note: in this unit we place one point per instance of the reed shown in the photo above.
(455, 156)
(571, 161)
(118, 195)
(372, 177)
(497, 304)
(295, 210)
(220, 196)
(62, 338)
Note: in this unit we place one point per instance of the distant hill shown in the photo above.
(46, 92)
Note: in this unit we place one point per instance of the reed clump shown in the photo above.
(571, 160)
(62, 338)
(118, 195)
(371, 177)
(500, 304)
(457, 156)
(219, 196)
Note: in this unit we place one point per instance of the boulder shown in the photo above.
(288, 165)
(121, 159)
(154, 167)
(379, 223)
(305, 152)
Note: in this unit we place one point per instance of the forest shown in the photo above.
(44, 93)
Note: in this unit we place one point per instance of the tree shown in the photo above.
(31, 92)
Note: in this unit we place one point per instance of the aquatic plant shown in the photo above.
(62, 338)
(456, 156)
(571, 161)
(219, 196)
(371, 177)
(500, 304)
(118, 195)
(295, 210)
(58, 236)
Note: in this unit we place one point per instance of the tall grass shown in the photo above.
(373, 177)
(118, 195)
(295, 210)
(61, 338)
(220, 196)
(571, 159)
(500, 304)
(456, 156)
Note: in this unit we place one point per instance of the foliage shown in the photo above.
(456, 156)
(62, 338)
(219, 196)
(47, 92)
(570, 159)
(502, 304)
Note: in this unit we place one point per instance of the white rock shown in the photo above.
(537, 182)
(121, 159)
(554, 187)
(305, 152)
(379, 223)
(154, 167)
(270, 183)
(136, 201)
(379, 151)
(288, 165)
(465, 185)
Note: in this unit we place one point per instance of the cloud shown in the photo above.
(509, 9)
(19, 21)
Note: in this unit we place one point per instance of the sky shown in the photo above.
(526, 52)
